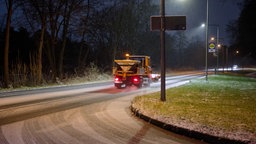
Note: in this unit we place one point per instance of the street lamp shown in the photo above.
(218, 48)
(206, 40)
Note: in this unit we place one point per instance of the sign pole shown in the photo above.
(163, 23)
(162, 45)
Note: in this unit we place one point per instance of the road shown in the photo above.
(93, 113)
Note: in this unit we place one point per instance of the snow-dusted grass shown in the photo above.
(223, 104)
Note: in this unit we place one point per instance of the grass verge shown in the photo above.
(224, 106)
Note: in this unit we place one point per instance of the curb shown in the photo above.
(186, 132)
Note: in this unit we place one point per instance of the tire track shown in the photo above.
(103, 125)
(67, 118)
(2, 138)
(102, 118)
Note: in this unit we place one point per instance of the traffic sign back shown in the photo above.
(171, 22)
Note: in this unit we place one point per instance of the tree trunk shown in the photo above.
(7, 44)
(40, 49)
(67, 13)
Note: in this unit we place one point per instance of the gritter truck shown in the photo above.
(134, 70)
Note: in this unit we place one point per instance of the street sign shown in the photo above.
(211, 47)
(171, 23)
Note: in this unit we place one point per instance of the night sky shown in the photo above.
(221, 12)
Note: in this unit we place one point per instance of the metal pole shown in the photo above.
(206, 42)
(227, 58)
(223, 58)
(162, 45)
(216, 46)
(217, 50)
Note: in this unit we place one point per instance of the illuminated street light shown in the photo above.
(206, 40)
(206, 25)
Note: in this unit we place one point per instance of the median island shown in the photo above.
(220, 110)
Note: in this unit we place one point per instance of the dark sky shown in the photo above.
(221, 12)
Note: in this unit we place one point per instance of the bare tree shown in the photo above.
(70, 7)
(9, 5)
(54, 18)
(84, 28)
(35, 10)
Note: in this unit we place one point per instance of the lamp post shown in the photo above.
(227, 58)
(206, 40)
(217, 50)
